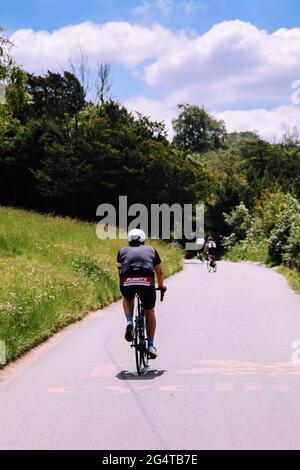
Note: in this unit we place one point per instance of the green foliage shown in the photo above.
(292, 275)
(249, 250)
(196, 130)
(291, 254)
(17, 97)
(104, 152)
(239, 221)
(248, 169)
(59, 97)
(267, 210)
(273, 233)
(268, 164)
(283, 240)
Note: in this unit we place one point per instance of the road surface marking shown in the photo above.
(253, 387)
(103, 370)
(224, 387)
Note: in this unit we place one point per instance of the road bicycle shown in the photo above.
(211, 264)
(139, 342)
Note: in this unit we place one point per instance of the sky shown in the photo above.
(238, 59)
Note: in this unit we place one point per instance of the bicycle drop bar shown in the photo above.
(162, 293)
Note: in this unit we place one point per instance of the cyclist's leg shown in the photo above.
(128, 306)
(150, 323)
(128, 294)
(151, 329)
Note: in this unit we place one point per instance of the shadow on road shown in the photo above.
(148, 375)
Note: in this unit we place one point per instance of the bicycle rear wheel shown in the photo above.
(140, 342)
(145, 355)
(138, 348)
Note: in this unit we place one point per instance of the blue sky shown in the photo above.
(241, 71)
(53, 14)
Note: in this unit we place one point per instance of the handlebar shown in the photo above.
(162, 292)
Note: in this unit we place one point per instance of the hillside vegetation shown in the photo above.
(270, 233)
(53, 270)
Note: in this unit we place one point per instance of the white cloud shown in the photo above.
(234, 65)
(190, 7)
(165, 6)
(143, 9)
(120, 42)
(151, 9)
(234, 62)
(271, 124)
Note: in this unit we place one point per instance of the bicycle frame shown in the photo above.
(139, 338)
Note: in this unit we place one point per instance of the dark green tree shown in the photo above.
(56, 96)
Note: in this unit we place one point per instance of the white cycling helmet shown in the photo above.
(200, 242)
(136, 235)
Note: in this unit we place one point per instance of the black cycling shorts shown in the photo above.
(143, 286)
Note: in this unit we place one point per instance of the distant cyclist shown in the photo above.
(138, 264)
(211, 248)
(200, 248)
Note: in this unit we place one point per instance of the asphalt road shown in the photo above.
(224, 378)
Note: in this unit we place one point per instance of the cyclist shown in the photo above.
(138, 263)
(210, 248)
(200, 248)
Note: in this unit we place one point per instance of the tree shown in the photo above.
(17, 97)
(97, 82)
(268, 164)
(197, 131)
(56, 96)
(239, 221)
(283, 239)
(6, 61)
(103, 82)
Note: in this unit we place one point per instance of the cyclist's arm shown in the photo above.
(119, 265)
(160, 275)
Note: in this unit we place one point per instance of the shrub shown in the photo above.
(240, 221)
(291, 254)
(279, 239)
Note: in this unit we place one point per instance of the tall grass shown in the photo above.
(52, 271)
